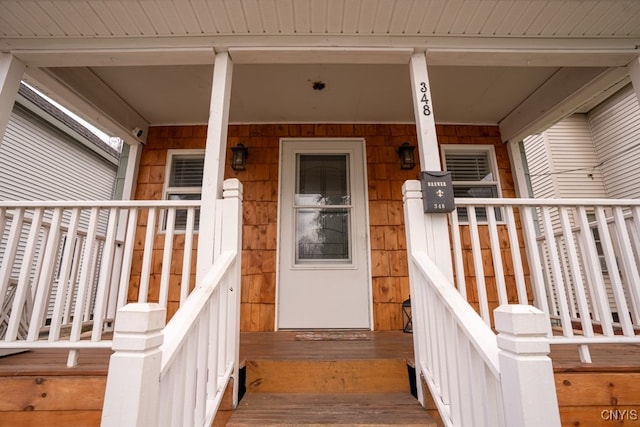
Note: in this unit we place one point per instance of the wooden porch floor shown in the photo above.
(283, 345)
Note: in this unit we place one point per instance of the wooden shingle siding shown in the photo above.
(260, 207)
(615, 126)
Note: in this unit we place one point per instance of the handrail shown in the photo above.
(467, 319)
(185, 318)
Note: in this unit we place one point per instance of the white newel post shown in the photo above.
(528, 386)
(133, 385)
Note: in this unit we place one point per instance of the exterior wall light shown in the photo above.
(239, 157)
(407, 159)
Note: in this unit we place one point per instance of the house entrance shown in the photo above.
(323, 280)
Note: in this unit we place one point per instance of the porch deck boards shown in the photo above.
(283, 345)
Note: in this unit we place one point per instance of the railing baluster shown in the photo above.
(63, 285)
(578, 284)
(561, 293)
(539, 290)
(45, 281)
(630, 269)
(127, 256)
(84, 286)
(458, 260)
(476, 248)
(104, 280)
(167, 253)
(516, 257)
(23, 291)
(614, 273)
(147, 256)
(187, 255)
(496, 255)
(6, 269)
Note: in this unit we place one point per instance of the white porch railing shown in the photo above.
(66, 267)
(581, 265)
(474, 377)
(177, 375)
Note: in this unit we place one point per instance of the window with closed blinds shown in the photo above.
(185, 170)
(473, 174)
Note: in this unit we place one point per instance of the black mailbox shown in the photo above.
(437, 191)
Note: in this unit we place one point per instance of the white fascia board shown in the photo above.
(441, 50)
(91, 99)
(320, 55)
(561, 95)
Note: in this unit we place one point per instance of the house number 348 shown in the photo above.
(424, 99)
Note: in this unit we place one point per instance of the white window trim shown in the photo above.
(471, 149)
(166, 189)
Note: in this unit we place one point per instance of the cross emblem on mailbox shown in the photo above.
(439, 193)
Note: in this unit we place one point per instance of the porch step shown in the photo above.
(341, 409)
(327, 376)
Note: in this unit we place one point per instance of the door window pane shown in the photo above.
(322, 234)
(322, 180)
(322, 208)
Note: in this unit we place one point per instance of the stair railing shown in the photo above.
(179, 374)
(473, 376)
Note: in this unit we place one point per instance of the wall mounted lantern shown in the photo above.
(239, 157)
(407, 159)
(407, 321)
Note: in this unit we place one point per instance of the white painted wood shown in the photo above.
(478, 267)
(84, 285)
(516, 258)
(127, 256)
(560, 95)
(331, 293)
(214, 159)
(458, 260)
(45, 281)
(614, 273)
(104, 279)
(628, 261)
(320, 55)
(167, 253)
(23, 290)
(496, 256)
(11, 71)
(147, 255)
(13, 239)
(186, 259)
(528, 385)
(132, 384)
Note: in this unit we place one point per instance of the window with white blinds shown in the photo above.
(473, 174)
(184, 181)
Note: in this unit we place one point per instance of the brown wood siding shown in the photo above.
(385, 178)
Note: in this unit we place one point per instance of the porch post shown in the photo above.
(528, 385)
(11, 71)
(214, 159)
(437, 228)
(634, 74)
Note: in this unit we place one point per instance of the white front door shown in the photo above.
(324, 279)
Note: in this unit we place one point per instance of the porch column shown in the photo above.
(214, 158)
(11, 71)
(437, 228)
(634, 74)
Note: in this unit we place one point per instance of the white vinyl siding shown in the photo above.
(539, 162)
(615, 127)
(42, 163)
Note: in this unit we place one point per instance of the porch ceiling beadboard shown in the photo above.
(90, 18)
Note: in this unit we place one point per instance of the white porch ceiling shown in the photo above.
(519, 63)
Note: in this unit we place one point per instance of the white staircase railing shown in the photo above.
(581, 265)
(177, 375)
(474, 377)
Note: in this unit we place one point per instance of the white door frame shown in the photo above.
(362, 170)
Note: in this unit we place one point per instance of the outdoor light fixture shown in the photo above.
(239, 157)
(407, 159)
(406, 316)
